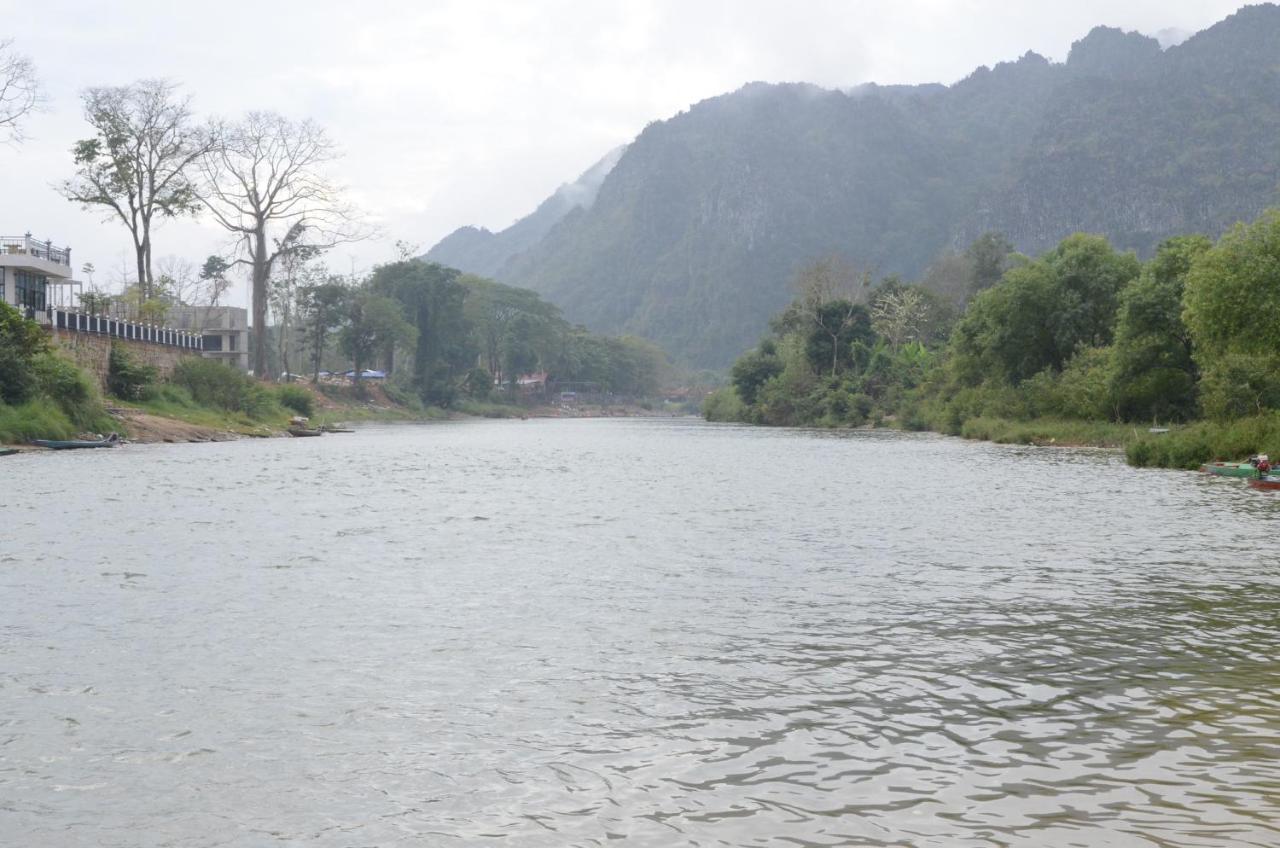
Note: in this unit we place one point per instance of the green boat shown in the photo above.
(1230, 469)
(8, 451)
(76, 444)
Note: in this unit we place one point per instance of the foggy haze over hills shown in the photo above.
(694, 235)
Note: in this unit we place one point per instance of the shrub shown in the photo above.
(20, 342)
(1238, 385)
(478, 384)
(65, 384)
(37, 419)
(61, 380)
(860, 406)
(126, 377)
(1192, 446)
(258, 401)
(214, 384)
(723, 405)
(297, 399)
(402, 396)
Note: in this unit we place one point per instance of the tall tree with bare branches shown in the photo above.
(266, 183)
(20, 91)
(138, 163)
(831, 292)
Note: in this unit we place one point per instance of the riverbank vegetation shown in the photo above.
(435, 340)
(1082, 345)
(42, 395)
(442, 339)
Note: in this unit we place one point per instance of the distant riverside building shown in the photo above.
(225, 331)
(28, 267)
(36, 279)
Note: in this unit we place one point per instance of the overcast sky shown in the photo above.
(455, 112)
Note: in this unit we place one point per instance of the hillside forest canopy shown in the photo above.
(1082, 332)
(693, 234)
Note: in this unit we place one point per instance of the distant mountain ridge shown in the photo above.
(480, 251)
(692, 237)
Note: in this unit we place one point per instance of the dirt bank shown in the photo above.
(152, 429)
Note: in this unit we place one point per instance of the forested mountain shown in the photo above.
(696, 231)
(480, 251)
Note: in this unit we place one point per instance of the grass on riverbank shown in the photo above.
(42, 418)
(1184, 446)
(1049, 431)
(1204, 441)
(169, 401)
(60, 402)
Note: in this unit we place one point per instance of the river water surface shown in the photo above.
(631, 632)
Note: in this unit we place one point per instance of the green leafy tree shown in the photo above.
(127, 378)
(433, 301)
(830, 291)
(137, 165)
(1155, 372)
(519, 350)
(373, 322)
(95, 302)
(323, 309)
(1089, 275)
(1042, 312)
(1232, 301)
(989, 258)
(495, 311)
(21, 341)
(478, 384)
(1233, 292)
(214, 275)
(754, 369)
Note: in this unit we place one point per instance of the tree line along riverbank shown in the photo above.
(44, 395)
(450, 345)
(1081, 345)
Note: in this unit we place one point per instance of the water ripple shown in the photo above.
(558, 633)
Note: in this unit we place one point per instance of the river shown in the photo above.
(633, 632)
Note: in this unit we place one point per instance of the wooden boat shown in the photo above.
(77, 444)
(1230, 469)
(8, 451)
(301, 432)
(332, 429)
(1269, 483)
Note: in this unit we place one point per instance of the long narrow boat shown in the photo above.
(335, 429)
(1230, 469)
(77, 444)
(8, 451)
(1269, 483)
(301, 432)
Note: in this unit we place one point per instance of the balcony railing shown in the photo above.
(27, 246)
(80, 322)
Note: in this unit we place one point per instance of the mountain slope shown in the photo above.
(694, 234)
(480, 251)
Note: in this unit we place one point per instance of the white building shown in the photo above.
(225, 330)
(28, 267)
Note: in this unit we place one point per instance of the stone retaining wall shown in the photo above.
(92, 352)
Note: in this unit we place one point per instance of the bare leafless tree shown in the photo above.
(139, 160)
(20, 91)
(265, 181)
(179, 281)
